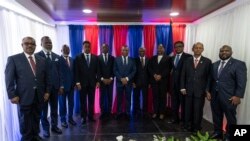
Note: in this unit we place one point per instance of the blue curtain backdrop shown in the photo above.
(76, 39)
(134, 39)
(106, 36)
(164, 36)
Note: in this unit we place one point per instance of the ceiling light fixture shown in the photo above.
(173, 14)
(87, 11)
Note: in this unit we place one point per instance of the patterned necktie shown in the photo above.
(177, 58)
(142, 62)
(33, 64)
(88, 60)
(48, 56)
(124, 61)
(105, 59)
(221, 68)
(67, 60)
(196, 61)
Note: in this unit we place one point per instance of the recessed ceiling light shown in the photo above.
(87, 11)
(173, 14)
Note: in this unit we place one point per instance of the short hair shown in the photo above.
(179, 42)
(44, 37)
(142, 48)
(86, 42)
(226, 46)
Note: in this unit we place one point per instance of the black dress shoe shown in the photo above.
(91, 119)
(56, 130)
(83, 122)
(64, 124)
(72, 122)
(216, 136)
(174, 122)
(37, 138)
(46, 134)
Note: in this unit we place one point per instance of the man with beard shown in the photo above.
(229, 78)
(56, 88)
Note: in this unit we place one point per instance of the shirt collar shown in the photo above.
(179, 54)
(197, 58)
(225, 60)
(27, 55)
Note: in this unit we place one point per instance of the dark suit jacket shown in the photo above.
(176, 71)
(196, 80)
(20, 80)
(163, 69)
(122, 71)
(106, 70)
(67, 73)
(87, 76)
(54, 66)
(141, 75)
(232, 79)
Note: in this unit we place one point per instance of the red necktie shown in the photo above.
(33, 64)
(196, 61)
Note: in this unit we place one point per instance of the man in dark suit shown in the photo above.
(106, 76)
(66, 68)
(178, 101)
(57, 88)
(28, 85)
(229, 77)
(124, 70)
(194, 85)
(141, 83)
(159, 69)
(86, 76)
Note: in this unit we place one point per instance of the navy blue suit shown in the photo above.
(56, 82)
(68, 84)
(21, 81)
(106, 72)
(177, 98)
(231, 82)
(121, 71)
(196, 83)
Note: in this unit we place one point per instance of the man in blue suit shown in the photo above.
(124, 70)
(28, 85)
(229, 77)
(106, 76)
(66, 68)
(57, 87)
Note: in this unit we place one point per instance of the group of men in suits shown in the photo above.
(195, 77)
(35, 80)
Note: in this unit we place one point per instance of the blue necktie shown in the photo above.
(177, 58)
(221, 68)
(88, 60)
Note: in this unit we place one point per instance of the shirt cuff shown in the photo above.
(78, 83)
(102, 78)
(111, 78)
(127, 78)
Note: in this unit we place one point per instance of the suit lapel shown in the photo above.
(216, 66)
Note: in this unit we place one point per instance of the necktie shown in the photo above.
(67, 60)
(221, 68)
(142, 62)
(48, 56)
(196, 61)
(88, 60)
(177, 58)
(33, 64)
(105, 59)
(124, 61)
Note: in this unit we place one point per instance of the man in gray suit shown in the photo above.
(124, 70)
(27, 83)
(229, 77)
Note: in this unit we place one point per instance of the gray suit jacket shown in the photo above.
(232, 79)
(20, 80)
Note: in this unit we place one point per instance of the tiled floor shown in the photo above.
(138, 129)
